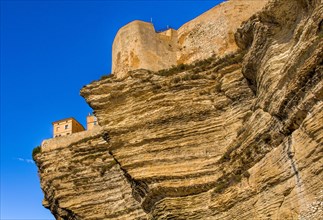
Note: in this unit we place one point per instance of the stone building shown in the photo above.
(91, 122)
(137, 45)
(66, 126)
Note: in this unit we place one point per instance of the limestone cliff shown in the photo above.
(232, 137)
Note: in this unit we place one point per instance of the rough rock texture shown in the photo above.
(138, 46)
(212, 33)
(81, 180)
(236, 137)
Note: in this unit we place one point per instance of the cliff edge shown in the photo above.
(236, 136)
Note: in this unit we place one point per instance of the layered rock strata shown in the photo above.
(80, 180)
(236, 137)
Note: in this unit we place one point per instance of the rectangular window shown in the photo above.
(66, 126)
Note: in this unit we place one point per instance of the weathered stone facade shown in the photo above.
(66, 127)
(138, 46)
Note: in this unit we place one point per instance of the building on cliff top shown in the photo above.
(69, 126)
(91, 122)
(138, 46)
(66, 126)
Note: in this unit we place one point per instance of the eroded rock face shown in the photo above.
(81, 180)
(226, 138)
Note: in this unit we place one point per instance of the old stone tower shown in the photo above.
(137, 45)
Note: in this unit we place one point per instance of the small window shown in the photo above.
(68, 133)
(66, 126)
(57, 128)
(94, 123)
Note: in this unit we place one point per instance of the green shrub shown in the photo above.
(235, 178)
(106, 76)
(36, 151)
(220, 186)
(174, 69)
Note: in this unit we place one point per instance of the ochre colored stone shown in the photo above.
(138, 46)
(238, 136)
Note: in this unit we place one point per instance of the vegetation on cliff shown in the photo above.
(36, 151)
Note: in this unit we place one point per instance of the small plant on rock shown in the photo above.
(36, 151)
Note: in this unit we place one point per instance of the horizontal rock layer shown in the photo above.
(81, 180)
(168, 131)
(223, 138)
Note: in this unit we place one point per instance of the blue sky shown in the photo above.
(49, 50)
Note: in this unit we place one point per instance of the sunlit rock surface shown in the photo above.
(236, 137)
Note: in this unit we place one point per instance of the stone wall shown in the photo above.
(138, 46)
(64, 141)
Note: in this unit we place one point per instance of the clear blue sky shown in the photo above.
(49, 50)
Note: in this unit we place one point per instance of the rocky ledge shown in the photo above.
(230, 137)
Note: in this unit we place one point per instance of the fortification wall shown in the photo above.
(213, 31)
(138, 46)
(61, 142)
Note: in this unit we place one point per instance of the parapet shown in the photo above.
(61, 142)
